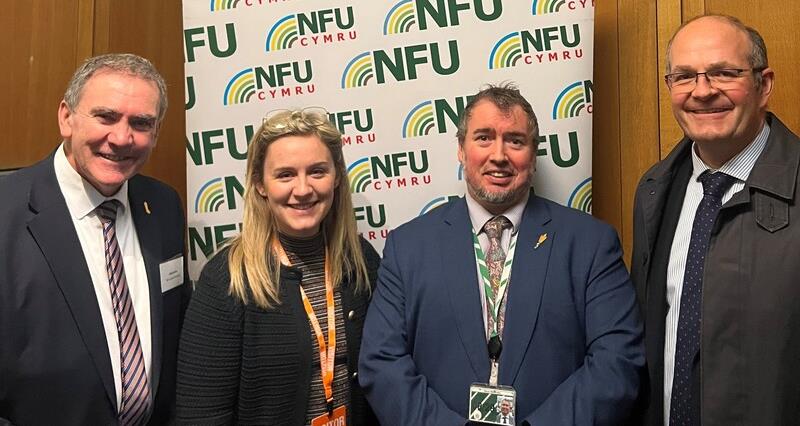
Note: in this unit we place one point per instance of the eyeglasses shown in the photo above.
(684, 82)
(312, 113)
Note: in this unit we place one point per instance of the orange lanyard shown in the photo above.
(327, 352)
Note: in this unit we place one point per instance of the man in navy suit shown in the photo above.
(92, 289)
(537, 300)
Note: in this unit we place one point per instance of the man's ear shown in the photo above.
(64, 120)
(767, 83)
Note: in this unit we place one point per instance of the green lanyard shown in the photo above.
(494, 300)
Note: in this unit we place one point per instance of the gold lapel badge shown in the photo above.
(542, 239)
(147, 210)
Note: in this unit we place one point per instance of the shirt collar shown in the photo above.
(741, 164)
(81, 197)
(478, 215)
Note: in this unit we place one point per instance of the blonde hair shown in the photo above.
(254, 269)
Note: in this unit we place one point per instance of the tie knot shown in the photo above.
(495, 226)
(715, 184)
(107, 211)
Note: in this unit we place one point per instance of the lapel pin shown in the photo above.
(147, 210)
(542, 239)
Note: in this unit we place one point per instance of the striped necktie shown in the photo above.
(135, 407)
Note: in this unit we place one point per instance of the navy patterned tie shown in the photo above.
(135, 406)
(681, 410)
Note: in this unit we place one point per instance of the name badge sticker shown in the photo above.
(171, 273)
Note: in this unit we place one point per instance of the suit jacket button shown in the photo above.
(351, 315)
(355, 375)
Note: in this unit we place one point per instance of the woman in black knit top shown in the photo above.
(257, 345)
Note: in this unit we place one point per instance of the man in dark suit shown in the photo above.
(92, 289)
(563, 330)
(716, 251)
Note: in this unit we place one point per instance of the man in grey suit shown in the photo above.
(717, 240)
(92, 289)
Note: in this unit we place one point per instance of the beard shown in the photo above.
(502, 197)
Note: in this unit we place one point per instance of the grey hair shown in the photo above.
(756, 58)
(504, 96)
(126, 63)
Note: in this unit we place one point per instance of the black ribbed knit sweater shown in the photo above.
(240, 364)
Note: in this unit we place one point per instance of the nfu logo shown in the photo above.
(400, 63)
(562, 156)
(434, 115)
(191, 97)
(354, 125)
(574, 99)
(204, 241)
(542, 45)
(423, 14)
(194, 38)
(542, 7)
(218, 192)
(217, 5)
(389, 171)
(205, 143)
(313, 28)
(374, 216)
(274, 81)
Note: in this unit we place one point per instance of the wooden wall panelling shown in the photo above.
(38, 41)
(153, 29)
(670, 16)
(777, 22)
(606, 179)
(639, 109)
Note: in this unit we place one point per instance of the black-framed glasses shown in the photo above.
(686, 81)
(313, 112)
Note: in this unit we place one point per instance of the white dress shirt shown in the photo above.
(82, 198)
(739, 167)
(478, 215)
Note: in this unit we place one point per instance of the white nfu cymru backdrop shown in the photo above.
(394, 76)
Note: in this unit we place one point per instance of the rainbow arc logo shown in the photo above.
(401, 18)
(240, 88)
(283, 34)
(436, 202)
(506, 52)
(210, 197)
(581, 197)
(360, 175)
(223, 4)
(420, 121)
(358, 71)
(570, 102)
(542, 7)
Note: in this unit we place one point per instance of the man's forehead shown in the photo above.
(710, 43)
(106, 84)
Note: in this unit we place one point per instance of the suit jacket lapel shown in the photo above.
(54, 232)
(149, 235)
(528, 277)
(462, 284)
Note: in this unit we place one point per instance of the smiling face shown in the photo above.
(110, 133)
(498, 156)
(505, 407)
(721, 122)
(298, 183)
